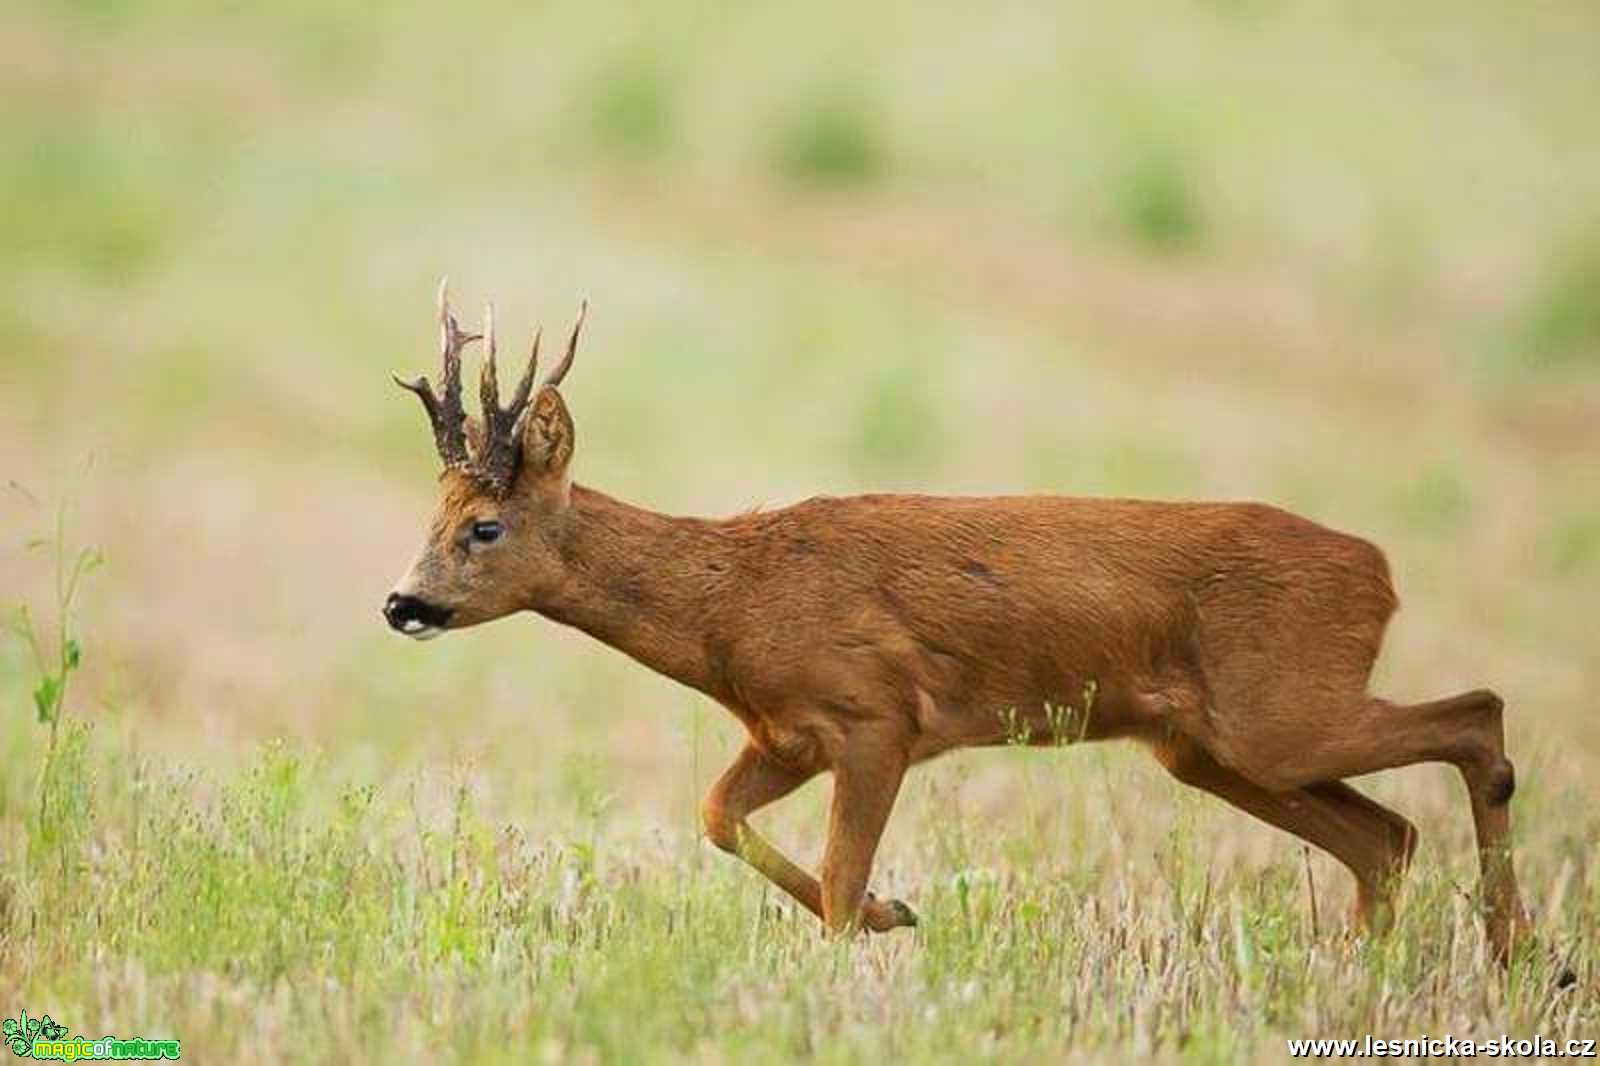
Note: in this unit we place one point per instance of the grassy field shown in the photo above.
(1345, 259)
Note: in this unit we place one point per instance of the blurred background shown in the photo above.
(1343, 258)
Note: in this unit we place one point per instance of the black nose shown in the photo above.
(402, 611)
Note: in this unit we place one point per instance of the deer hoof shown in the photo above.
(880, 916)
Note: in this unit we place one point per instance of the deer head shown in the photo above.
(491, 546)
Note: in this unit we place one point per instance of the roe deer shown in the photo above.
(862, 635)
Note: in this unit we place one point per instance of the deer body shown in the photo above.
(969, 621)
(861, 635)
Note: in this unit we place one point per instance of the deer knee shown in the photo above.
(722, 828)
(1490, 775)
(1497, 783)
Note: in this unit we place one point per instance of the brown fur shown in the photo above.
(861, 635)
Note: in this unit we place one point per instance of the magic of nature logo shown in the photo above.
(45, 1038)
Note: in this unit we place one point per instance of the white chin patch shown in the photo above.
(421, 630)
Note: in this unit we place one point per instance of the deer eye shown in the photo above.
(487, 532)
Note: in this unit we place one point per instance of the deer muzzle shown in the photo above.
(415, 618)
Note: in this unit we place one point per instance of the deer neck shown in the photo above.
(645, 583)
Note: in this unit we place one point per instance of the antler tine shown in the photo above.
(497, 462)
(518, 411)
(445, 412)
(489, 378)
(453, 416)
(424, 392)
(452, 339)
(565, 365)
(444, 309)
(519, 399)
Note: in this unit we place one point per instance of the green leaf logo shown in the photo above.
(15, 1034)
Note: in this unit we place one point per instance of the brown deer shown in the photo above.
(862, 635)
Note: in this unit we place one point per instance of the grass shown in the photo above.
(1226, 251)
(359, 920)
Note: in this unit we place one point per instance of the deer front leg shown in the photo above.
(866, 779)
(753, 781)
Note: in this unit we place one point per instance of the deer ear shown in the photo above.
(547, 437)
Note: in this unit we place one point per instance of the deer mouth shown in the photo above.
(415, 618)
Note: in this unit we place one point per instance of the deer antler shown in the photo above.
(572, 348)
(448, 417)
(497, 460)
(499, 448)
(497, 457)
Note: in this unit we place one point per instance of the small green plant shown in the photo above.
(1156, 203)
(1019, 734)
(1064, 723)
(56, 654)
(1069, 724)
(830, 139)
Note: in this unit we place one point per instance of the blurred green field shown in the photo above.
(1344, 259)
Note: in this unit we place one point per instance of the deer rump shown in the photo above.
(1044, 620)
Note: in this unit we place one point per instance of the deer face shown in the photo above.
(493, 546)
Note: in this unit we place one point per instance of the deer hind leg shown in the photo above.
(1374, 842)
(1490, 782)
(1372, 734)
(753, 781)
(1374, 899)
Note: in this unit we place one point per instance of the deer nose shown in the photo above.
(408, 614)
(396, 609)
